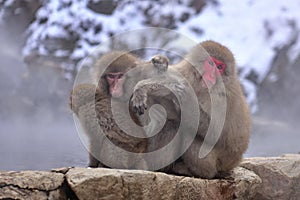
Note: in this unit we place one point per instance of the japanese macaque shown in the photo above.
(224, 123)
(92, 104)
(102, 109)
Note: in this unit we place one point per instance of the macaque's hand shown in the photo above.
(139, 100)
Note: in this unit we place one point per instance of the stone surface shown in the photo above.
(257, 178)
(107, 184)
(33, 185)
(280, 176)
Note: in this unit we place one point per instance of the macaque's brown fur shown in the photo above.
(92, 105)
(233, 142)
(157, 83)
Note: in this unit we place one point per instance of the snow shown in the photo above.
(294, 51)
(243, 26)
(252, 29)
(61, 53)
(4, 4)
(251, 91)
(7, 3)
(56, 32)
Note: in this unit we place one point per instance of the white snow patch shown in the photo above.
(252, 29)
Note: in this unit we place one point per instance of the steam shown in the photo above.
(33, 134)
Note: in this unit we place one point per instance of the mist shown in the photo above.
(32, 144)
(37, 130)
(271, 137)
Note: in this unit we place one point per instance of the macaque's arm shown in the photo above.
(158, 87)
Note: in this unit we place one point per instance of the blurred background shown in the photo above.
(42, 44)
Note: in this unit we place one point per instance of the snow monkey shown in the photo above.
(207, 67)
(92, 104)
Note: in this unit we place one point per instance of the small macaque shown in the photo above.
(93, 105)
(161, 63)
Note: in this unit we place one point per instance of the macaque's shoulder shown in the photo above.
(82, 94)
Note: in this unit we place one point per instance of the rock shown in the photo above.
(31, 185)
(101, 183)
(257, 178)
(246, 182)
(280, 176)
(62, 170)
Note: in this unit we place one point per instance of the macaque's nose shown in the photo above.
(115, 79)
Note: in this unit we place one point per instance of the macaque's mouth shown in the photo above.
(116, 91)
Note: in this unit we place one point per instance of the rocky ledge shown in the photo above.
(256, 178)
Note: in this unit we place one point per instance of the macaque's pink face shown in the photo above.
(115, 81)
(212, 68)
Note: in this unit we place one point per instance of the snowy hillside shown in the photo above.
(253, 29)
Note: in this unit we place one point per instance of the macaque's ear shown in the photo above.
(212, 69)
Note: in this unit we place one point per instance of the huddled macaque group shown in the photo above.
(209, 68)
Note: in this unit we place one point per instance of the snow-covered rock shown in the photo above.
(254, 30)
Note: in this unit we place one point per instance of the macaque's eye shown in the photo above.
(211, 62)
(111, 76)
(114, 75)
(220, 67)
(120, 76)
(219, 64)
